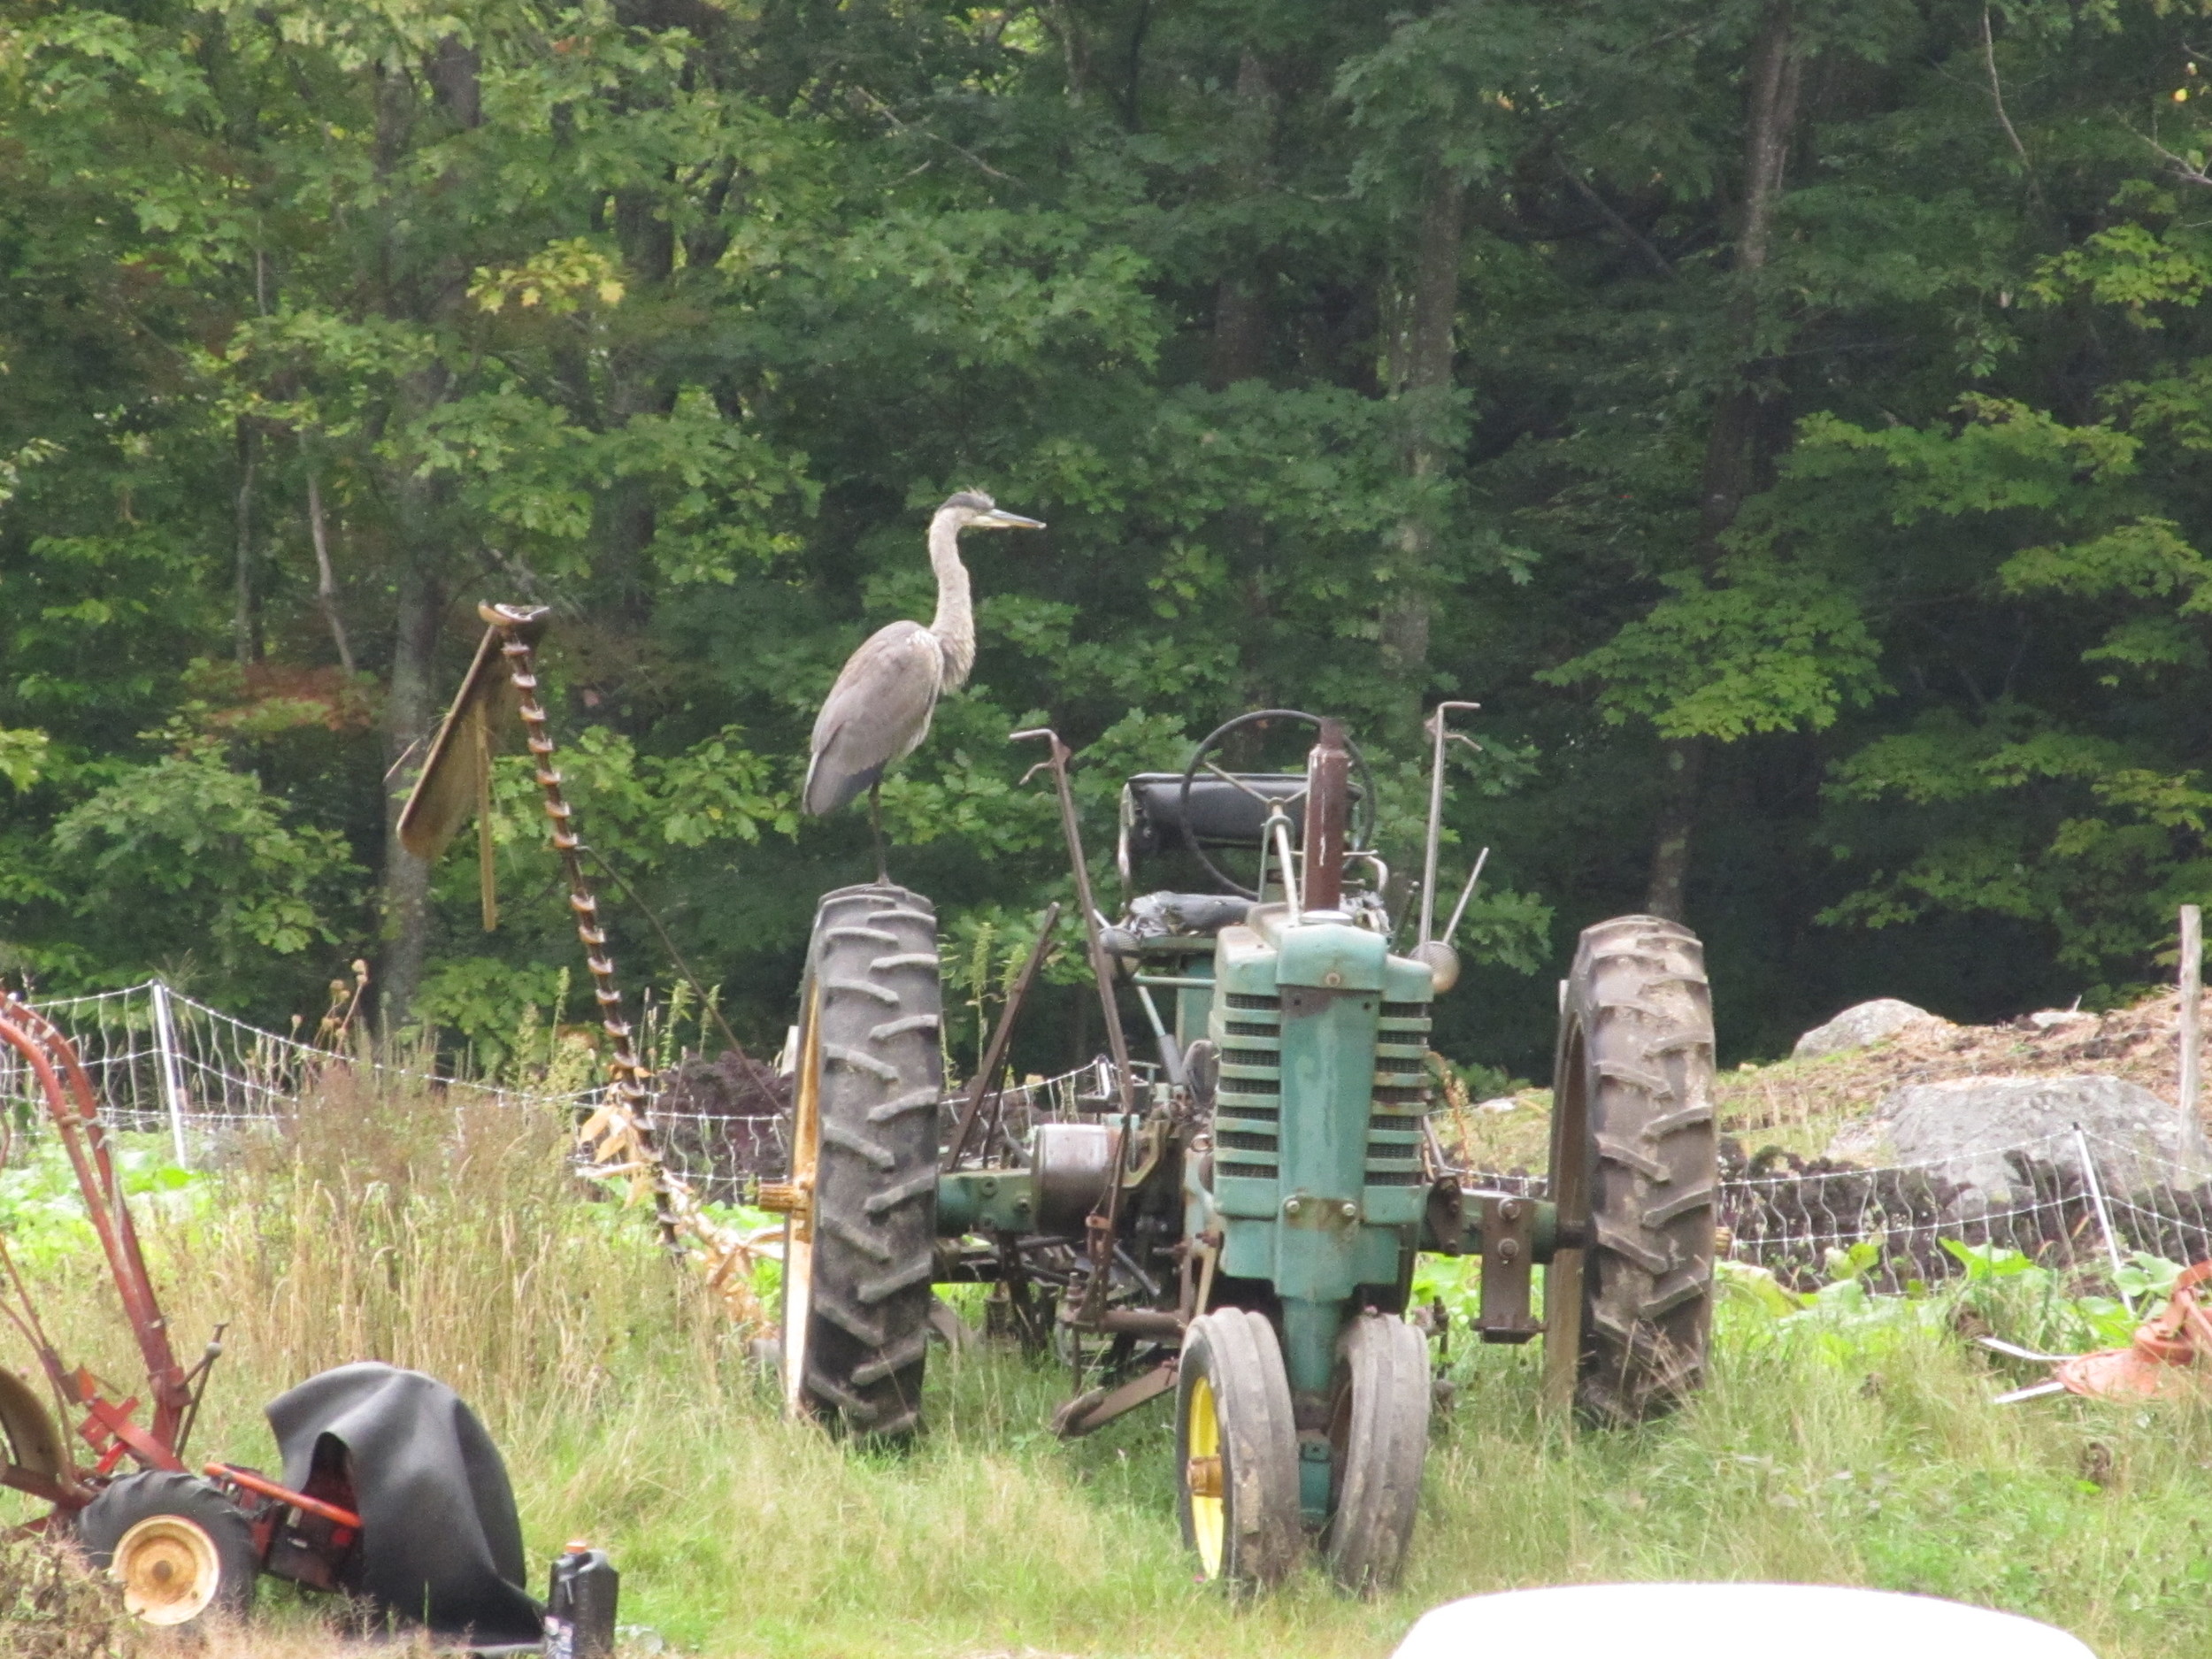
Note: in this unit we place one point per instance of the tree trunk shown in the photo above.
(246, 621)
(1680, 763)
(1422, 372)
(1075, 46)
(637, 385)
(455, 77)
(410, 707)
(327, 577)
(1731, 449)
(1241, 332)
(411, 702)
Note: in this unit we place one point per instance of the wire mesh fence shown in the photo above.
(159, 1062)
(162, 1063)
(2072, 1200)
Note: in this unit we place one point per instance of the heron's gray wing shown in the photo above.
(878, 710)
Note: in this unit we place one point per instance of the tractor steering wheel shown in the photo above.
(1357, 832)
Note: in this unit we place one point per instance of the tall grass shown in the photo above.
(403, 1227)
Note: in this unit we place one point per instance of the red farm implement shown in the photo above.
(180, 1541)
(397, 1495)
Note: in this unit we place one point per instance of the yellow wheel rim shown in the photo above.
(168, 1569)
(1203, 1477)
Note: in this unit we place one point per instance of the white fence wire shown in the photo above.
(162, 1063)
(2075, 1198)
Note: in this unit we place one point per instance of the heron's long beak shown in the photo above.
(999, 519)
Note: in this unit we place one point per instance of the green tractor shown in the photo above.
(1240, 1229)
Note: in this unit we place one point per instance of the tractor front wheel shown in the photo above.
(1236, 1444)
(1634, 1169)
(180, 1549)
(1379, 1437)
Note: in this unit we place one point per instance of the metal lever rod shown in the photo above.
(61, 1079)
(1451, 928)
(1279, 828)
(1102, 1227)
(1440, 730)
(1171, 1056)
(1056, 759)
(986, 1080)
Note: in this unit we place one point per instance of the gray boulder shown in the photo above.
(1858, 1028)
(1961, 1130)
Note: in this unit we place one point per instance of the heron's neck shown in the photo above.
(954, 624)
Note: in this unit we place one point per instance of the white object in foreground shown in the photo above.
(1696, 1621)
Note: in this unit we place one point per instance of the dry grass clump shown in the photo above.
(440, 1230)
(445, 1232)
(52, 1606)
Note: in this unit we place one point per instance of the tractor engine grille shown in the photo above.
(1248, 1102)
(1247, 1099)
(1401, 1095)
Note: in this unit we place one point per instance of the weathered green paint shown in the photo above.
(1317, 1185)
(1193, 1008)
(1469, 1241)
(983, 1200)
(1316, 1481)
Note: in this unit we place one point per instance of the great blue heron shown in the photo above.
(878, 709)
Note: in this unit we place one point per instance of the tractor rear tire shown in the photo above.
(1236, 1451)
(870, 1036)
(183, 1552)
(1634, 1163)
(1378, 1438)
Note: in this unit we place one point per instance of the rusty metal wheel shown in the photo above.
(180, 1549)
(1378, 1438)
(1236, 1449)
(1634, 1169)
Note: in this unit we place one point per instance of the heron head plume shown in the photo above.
(972, 510)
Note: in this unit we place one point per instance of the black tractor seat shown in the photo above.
(1221, 814)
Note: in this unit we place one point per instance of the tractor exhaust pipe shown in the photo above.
(1328, 800)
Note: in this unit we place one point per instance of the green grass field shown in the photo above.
(1851, 1442)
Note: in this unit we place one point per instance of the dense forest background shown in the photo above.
(1790, 422)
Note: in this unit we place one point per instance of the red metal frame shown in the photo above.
(108, 1428)
(261, 1486)
(323, 1532)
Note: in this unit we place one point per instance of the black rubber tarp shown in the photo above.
(441, 1543)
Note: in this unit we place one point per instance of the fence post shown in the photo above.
(172, 1069)
(2192, 1002)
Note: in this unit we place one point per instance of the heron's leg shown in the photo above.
(875, 823)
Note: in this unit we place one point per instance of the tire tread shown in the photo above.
(1638, 993)
(875, 1179)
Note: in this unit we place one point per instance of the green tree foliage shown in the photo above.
(1788, 422)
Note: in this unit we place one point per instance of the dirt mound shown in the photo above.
(1798, 1105)
(2138, 1045)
